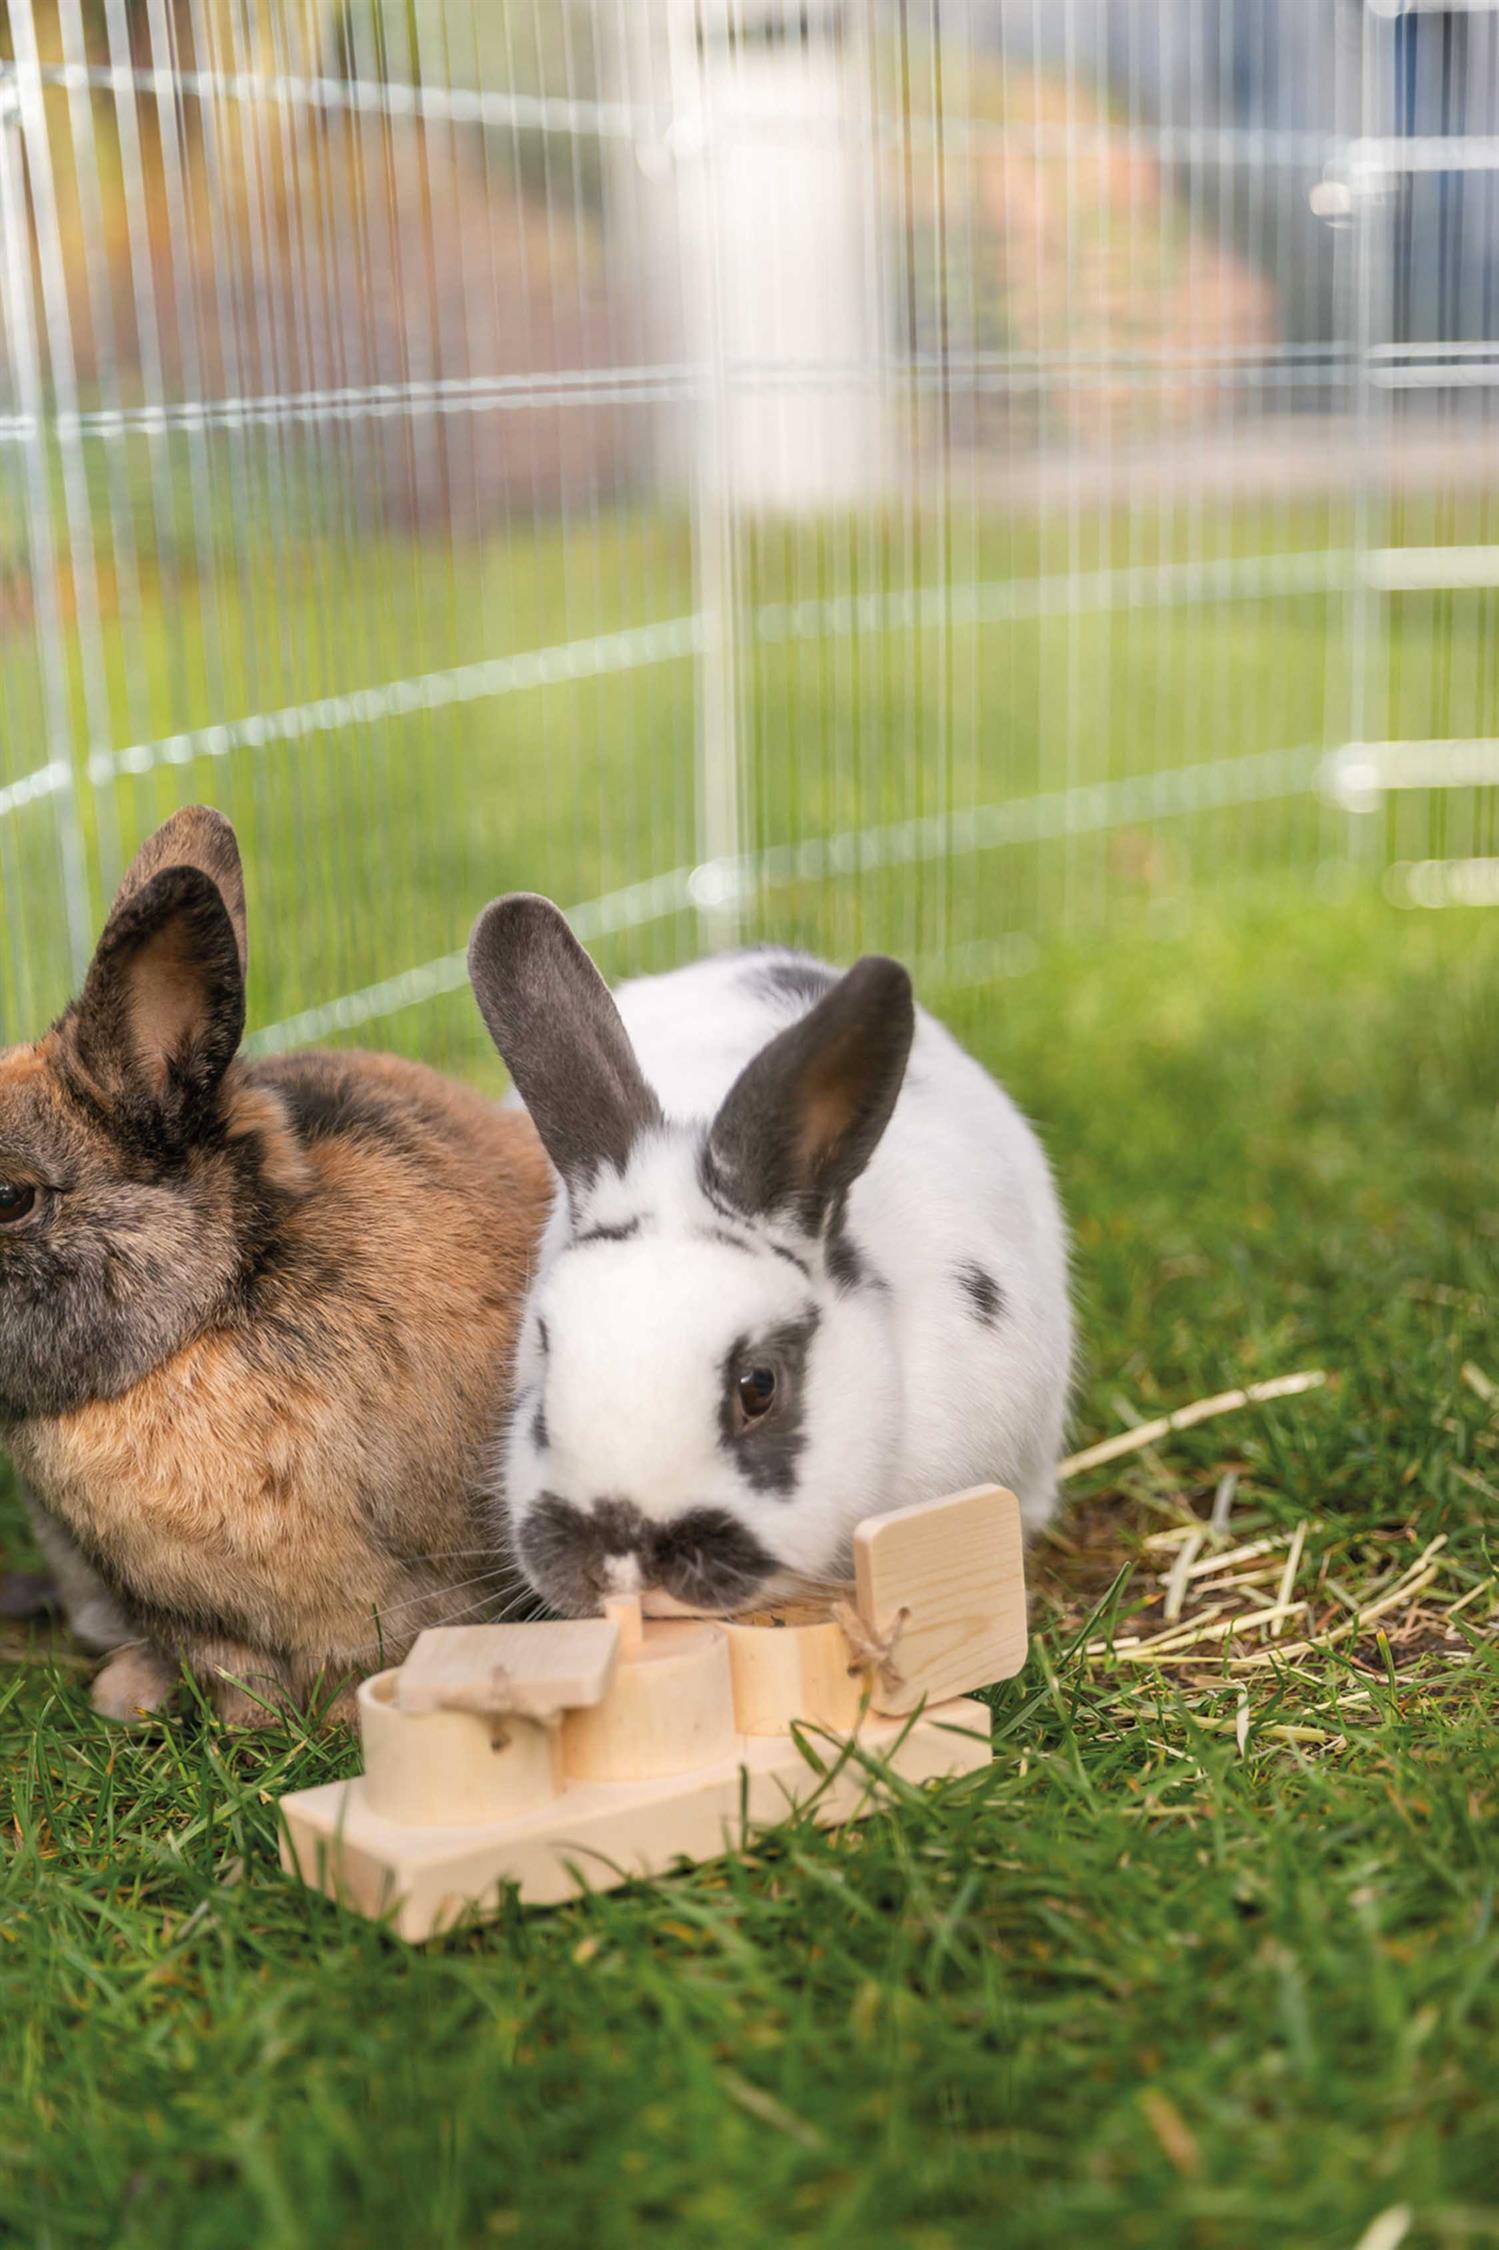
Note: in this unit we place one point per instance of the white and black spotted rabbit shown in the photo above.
(806, 1265)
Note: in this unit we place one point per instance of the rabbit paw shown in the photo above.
(135, 1682)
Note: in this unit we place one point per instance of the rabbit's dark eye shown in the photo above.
(17, 1202)
(757, 1391)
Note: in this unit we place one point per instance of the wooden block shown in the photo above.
(669, 1710)
(956, 1568)
(600, 1834)
(537, 1671)
(426, 1769)
(799, 1670)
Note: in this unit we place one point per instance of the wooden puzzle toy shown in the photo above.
(562, 1758)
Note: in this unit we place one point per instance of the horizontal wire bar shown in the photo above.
(456, 105)
(472, 394)
(629, 908)
(674, 382)
(1477, 348)
(650, 122)
(1359, 774)
(1423, 152)
(995, 601)
(624, 651)
(1261, 777)
(1424, 570)
(1064, 593)
(1457, 375)
(46, 781)
(1443, 882)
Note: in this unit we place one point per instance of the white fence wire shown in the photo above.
(894, 472)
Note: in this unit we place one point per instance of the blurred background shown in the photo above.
(943, 475)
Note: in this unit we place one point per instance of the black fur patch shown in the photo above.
(766, 1452)
(712, 1190)
(983, 1291)
(718, 1201)
(847, 1265)
(539, 1426)
(625, 1232)
(733, 1241)
(798, 977)
(325, 1105)
(705, 1558)
(708, 1560)
(544, 1341)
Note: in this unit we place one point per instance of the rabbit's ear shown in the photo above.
(162, 1008)
(550, 1014)
(802, 1119)
(197, 836)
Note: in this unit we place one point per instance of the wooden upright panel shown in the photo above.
(956, 1568)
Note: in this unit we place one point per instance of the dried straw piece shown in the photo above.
(1288, 1577)
(1187, 1417)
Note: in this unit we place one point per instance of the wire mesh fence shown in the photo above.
(867, 472)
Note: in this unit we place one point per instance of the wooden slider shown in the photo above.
(528, 1671)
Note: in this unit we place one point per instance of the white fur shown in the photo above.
(909, 1392)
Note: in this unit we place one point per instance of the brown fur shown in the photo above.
(333, 1264)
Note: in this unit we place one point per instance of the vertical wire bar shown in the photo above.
(21, 328)
(165, 582)
(115, 447)
(713, 561)
(1371, 322)
(77, 514)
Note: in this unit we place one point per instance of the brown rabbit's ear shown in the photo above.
(805, 1115)
(550, 1014)
(162, 1009)
(197, 836)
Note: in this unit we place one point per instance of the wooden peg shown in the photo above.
(623, 1612)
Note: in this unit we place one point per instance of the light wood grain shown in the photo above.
(787, 1672)
(537, 1671)
(670, 1709)
(424, 1769)
(956, 1568)
(600, 1834)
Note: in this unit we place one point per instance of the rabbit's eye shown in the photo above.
(17, 1202)
(757, 1391)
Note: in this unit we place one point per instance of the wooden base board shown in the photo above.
(597, 1834)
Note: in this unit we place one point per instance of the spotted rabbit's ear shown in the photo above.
(804, 1117)
(550, 1014)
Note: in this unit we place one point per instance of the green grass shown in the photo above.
(370, 846)
(1130, 1982)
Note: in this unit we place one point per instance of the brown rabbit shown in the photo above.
(254, 1316)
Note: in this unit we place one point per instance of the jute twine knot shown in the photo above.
(874, 1652)
(487, 1699)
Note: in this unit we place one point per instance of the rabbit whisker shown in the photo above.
(484, 1578)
